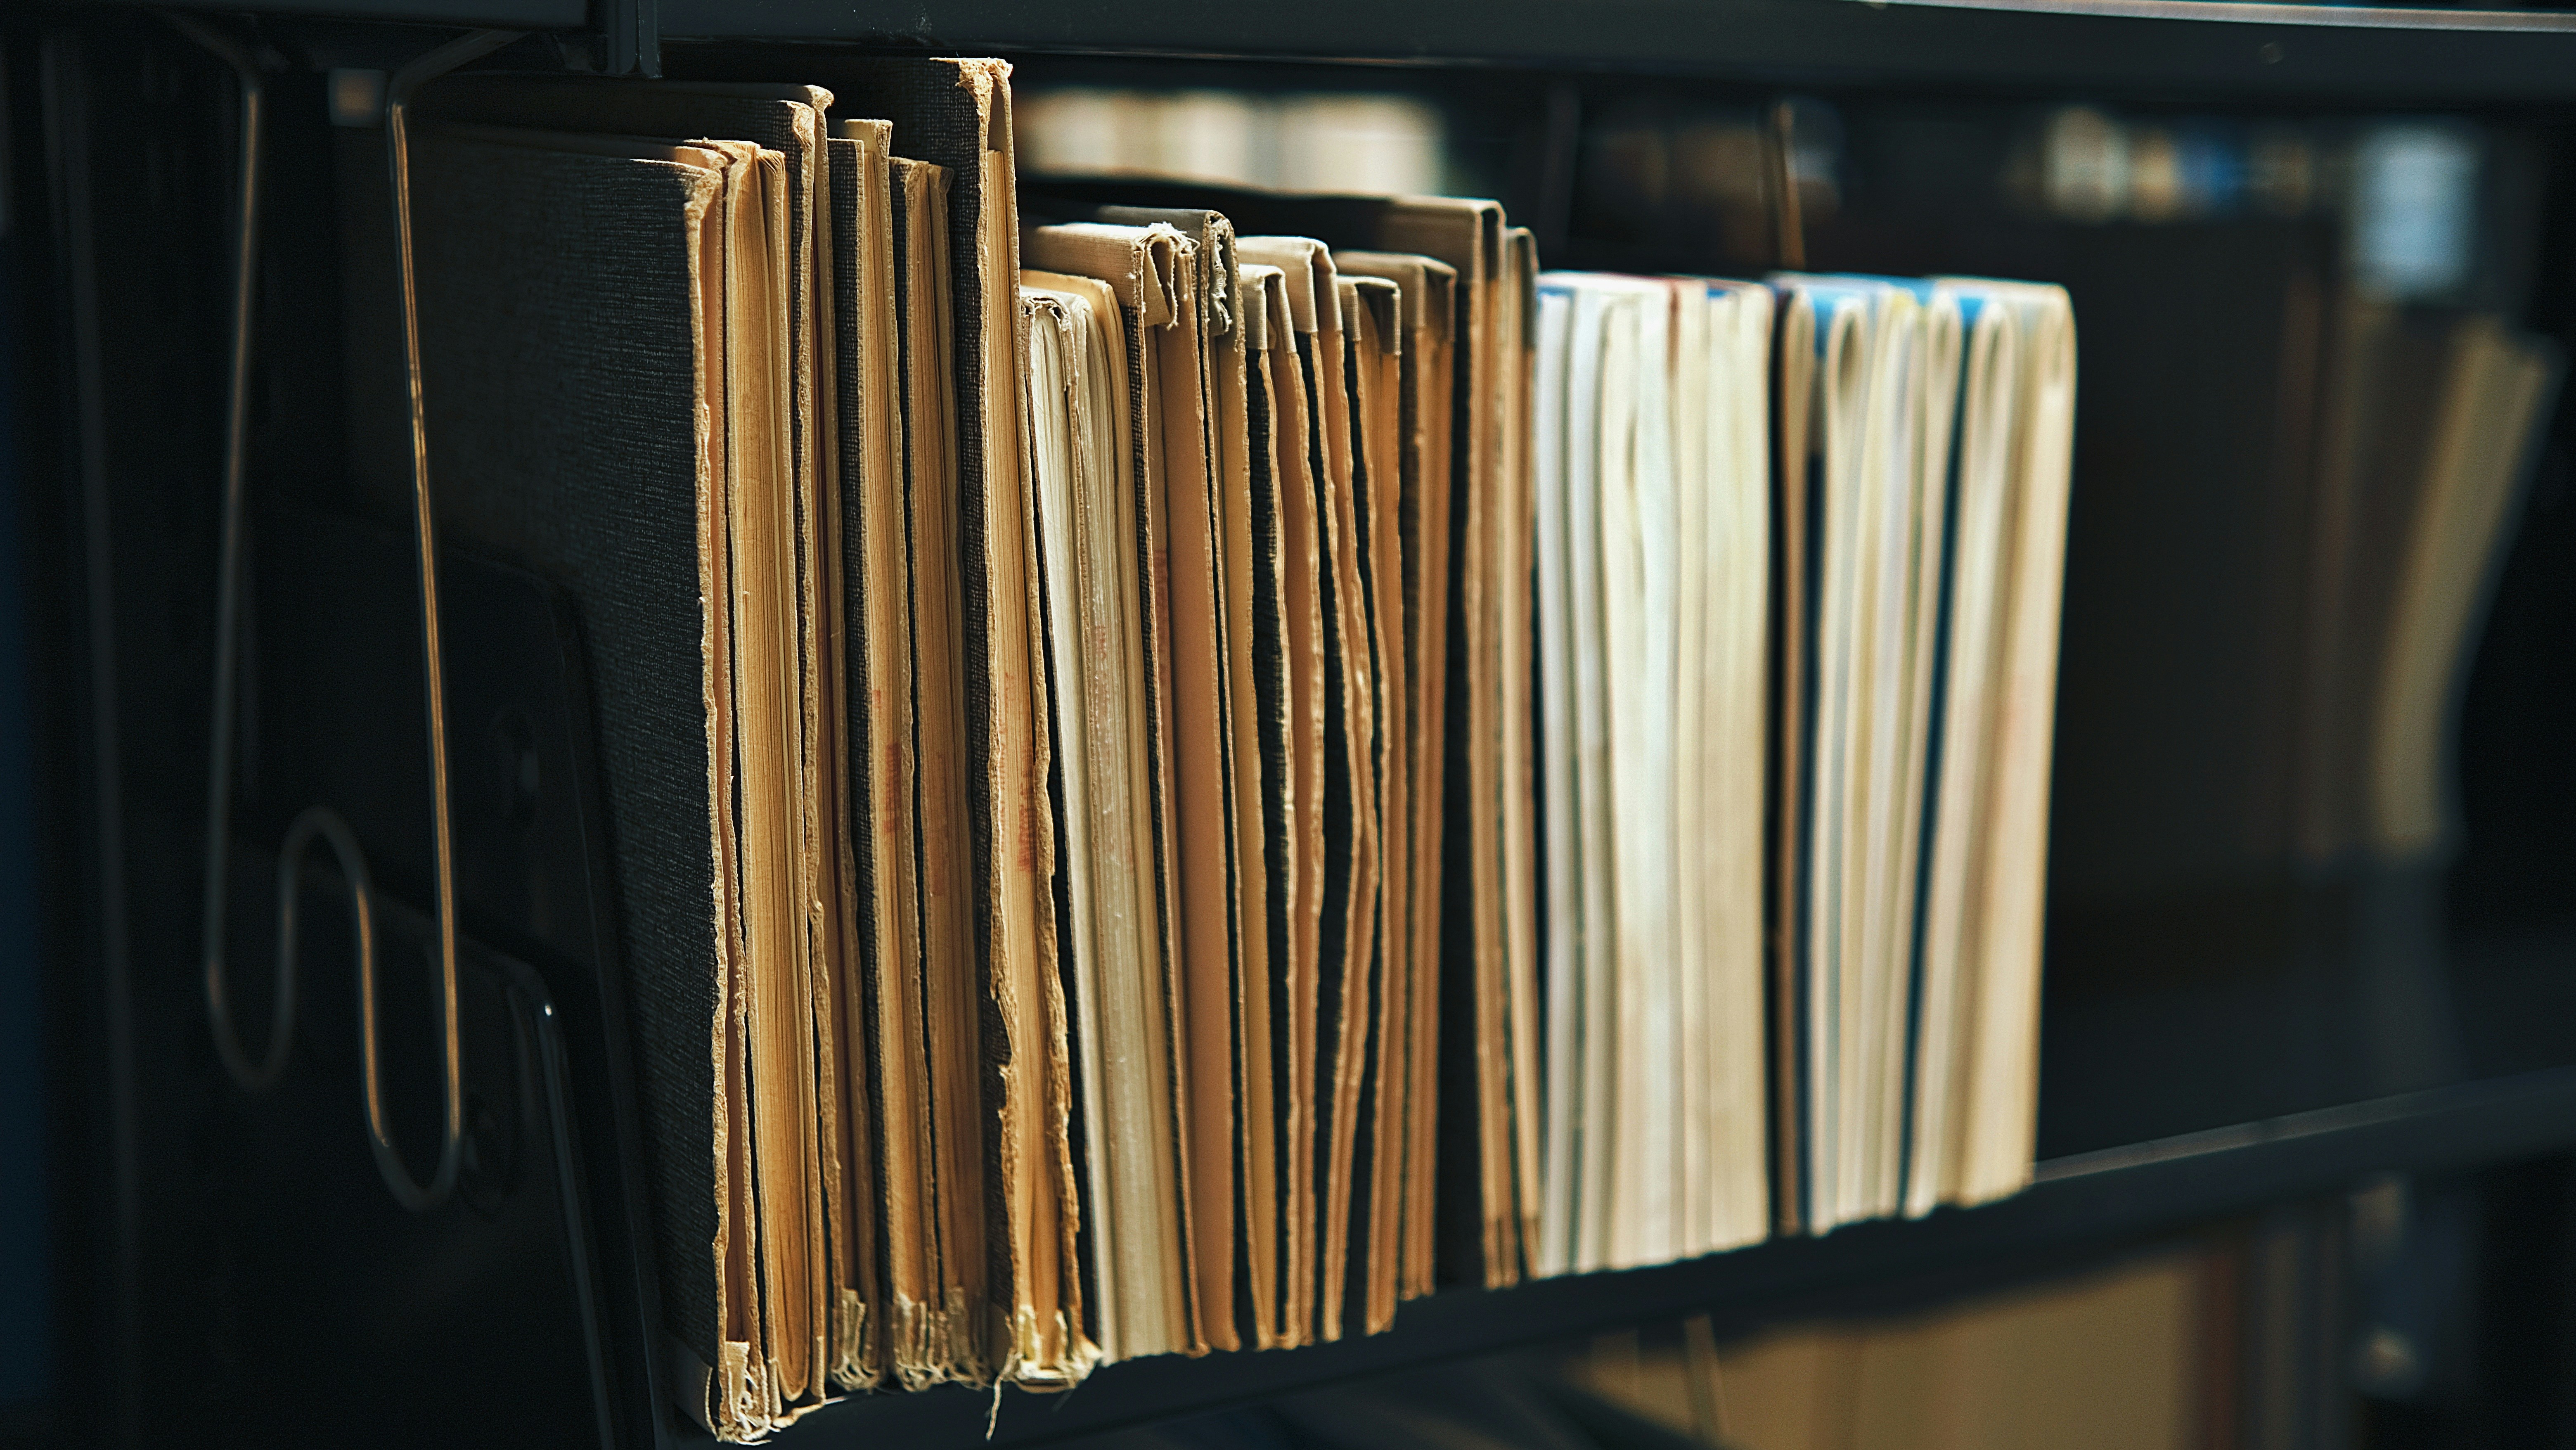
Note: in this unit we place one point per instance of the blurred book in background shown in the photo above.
(1356, 142)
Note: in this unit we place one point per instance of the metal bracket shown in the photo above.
(630, 35)
(256, 1076)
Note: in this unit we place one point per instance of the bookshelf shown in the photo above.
(2081, 1209)
(2118, 1169)
(2210, 47)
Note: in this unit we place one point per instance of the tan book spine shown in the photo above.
(1349, 625)
(1378, 476)
(1289, 363)
(1516, 529)
(743, 1401)
(951, 988)
(891, 1235)
(779, 1010)
(1256, 1148)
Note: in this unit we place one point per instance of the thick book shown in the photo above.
(880, 1269)
(677, 551)
(1126, 1067)
(1294, 274)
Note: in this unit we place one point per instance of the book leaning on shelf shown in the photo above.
(1188, 771)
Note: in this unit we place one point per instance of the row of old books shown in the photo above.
(1184, 766)
(1798, 554)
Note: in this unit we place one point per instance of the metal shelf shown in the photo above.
(2182, 48)
(2081, 1208)
(2387, 56)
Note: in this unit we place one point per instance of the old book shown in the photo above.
(785, 123)
(1238, 464)
(956, 114)
(1551, 1251)
(1725, 895)
(1232, 466)
(754, 572)
(1426, 324)
(1960, 796)
(1593, 456)
(1372, 334)
(1348, 936)
(1156, 268)
(1484, 877)
(1084, 470)
(686, 669)
(1239, 469)
(2002, 1068)
(1242, 468)
(1261, 310)
(880, 1011)
(1298, 302)
(941, 1335)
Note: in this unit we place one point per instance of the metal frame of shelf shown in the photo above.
(2081, 1209)
(2385, 56)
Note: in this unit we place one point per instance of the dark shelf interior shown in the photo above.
(2226, 1028)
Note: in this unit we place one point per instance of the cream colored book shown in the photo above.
(1637, 557)
(1517, 1179)
(1959, 796)
(2000, 1101)
(1081, 448)
(1720, 376)
(1597, 512)
(1699, 429)
(1928, 565)
(1903, 554)
(1837, 388)
(1727, 895)
(1552, 421)
(1156, 270)
(1871, 534)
